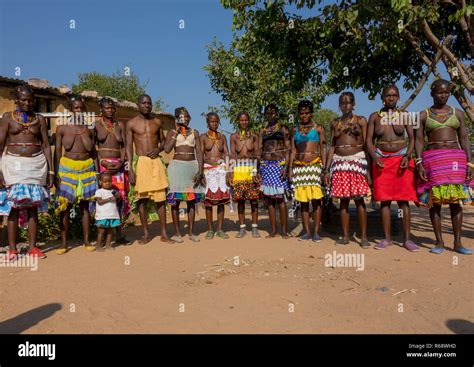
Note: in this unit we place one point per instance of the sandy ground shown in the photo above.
(245, 286)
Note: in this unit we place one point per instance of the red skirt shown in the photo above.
(216, 198)
(393, 183)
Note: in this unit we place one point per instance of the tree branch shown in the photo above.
(410, 38)
(460, 96)
(451, 58)
(424, 79)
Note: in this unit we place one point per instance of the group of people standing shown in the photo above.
(111, 167)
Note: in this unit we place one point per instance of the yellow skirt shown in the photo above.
(151, 179)
(305, 194)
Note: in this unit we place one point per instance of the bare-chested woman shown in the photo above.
(245, 151)
(307, 159)
(393, 171)
(76, 170)
(217, 193)
(275, 143)
(348, 166)
(445, 165)
(25, 166)
(146, 170)
(110, 135)
(184, 171)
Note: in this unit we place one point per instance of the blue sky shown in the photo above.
(141, 34)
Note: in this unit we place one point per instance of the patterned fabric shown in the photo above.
(121, 184)
(391, 182)
(307, 180)
(25, 178)
(107, 223)
(273, 186)
(181, 182)
(349, 176)
(245, 181)
(78, 182)
(217, 191)
(23, 196)
(446, 170)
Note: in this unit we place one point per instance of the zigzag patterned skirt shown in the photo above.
(349, 176)
(307, 180)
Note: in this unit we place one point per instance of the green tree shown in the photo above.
(350, 44)
(117, 85)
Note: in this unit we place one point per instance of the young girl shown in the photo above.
(107, 216)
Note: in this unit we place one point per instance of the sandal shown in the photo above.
(209, 235)
(411, 246)
(90, 247)
(437, 250)
(194, 238)
(383, 244)
(463, 251)
(61, 251)
(177, 239)
(305, 237)
(316, 238)
(364, 243)
(342, 241)
(255, 233)
(222, 234)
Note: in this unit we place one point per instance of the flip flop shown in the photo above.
(316, 238)
(194, 238)
(305, 237)
(364, 243)
(463, 251)
(177, 239)
(437, 250)
(61, 251)
(383, 244)
(411, 246)
(342, 241)
(89, 247)
(222, 234)
(209, 235)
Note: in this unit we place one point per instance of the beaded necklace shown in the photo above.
(244, 135)
(439, 115)
(27, 121)
(108, 125)
(305, 129)
(214, 136)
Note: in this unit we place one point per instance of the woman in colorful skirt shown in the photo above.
(76, 172)
(27, 169)
(245, 151)
(309, 153)
(111, 155)
(216, 181)
(349, 177)
(184, 171)
(444, 164)
(275, 141)
(393, 170)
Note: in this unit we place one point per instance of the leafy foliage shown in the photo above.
(277, 55)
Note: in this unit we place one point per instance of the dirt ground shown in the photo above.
(245, 286)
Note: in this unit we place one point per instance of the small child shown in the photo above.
(107, 216)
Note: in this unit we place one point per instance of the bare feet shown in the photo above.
(272, 235)
(144, 240)
(99, 248)
(167, 240)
